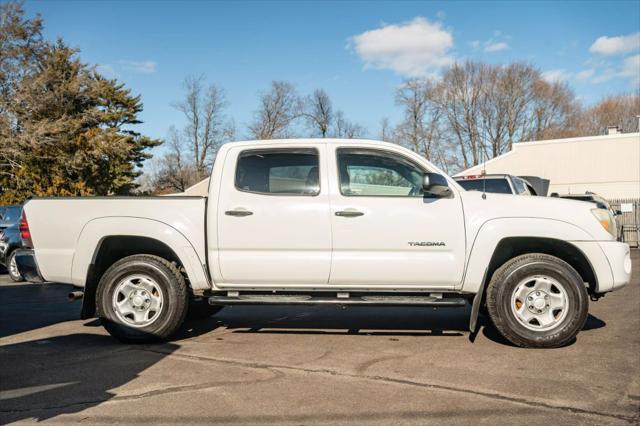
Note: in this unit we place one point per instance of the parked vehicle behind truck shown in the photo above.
(10, 239)
(496, 183)
(346, 222)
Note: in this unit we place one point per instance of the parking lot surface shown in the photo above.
(301, 365)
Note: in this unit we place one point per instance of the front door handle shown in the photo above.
(238, 213)
(349, 213)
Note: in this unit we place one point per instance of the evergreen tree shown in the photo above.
(64, 128)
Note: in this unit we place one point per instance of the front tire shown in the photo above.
(12, 268)
(537, 301)
(141, 299)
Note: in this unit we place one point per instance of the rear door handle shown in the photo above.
(238, 213)
(349, 213)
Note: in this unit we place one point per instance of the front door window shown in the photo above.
(369, 173)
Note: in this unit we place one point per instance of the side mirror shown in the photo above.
(435, 185)
(617, 212)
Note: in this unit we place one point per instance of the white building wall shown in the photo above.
(608, 165)
(200, 189)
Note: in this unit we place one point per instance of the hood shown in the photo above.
(577, 213)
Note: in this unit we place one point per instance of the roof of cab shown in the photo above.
(471, 177)
(311, 140)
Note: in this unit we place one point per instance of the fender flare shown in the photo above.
(495, 230)
(96, 230)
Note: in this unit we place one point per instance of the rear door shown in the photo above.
(273, 218)
(385, 232)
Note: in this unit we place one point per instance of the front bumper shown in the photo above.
(27, 265)
(611, 263)
(619, 257)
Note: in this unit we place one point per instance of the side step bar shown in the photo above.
(377, 300)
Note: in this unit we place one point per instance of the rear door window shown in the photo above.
(279, 172)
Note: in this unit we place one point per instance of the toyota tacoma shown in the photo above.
(343, 222)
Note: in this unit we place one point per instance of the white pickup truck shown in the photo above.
(347, 222)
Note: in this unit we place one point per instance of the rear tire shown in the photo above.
(12, 268)
(141, 299)
(537, 301)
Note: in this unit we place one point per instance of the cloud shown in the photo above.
(615, 45)
(142, 67)
(495, 47)
(415, 48)
(631, 66)
(631, 69)
(556, 76)
(606, 75)
(586, 74)
(492, 45)
(107, 71)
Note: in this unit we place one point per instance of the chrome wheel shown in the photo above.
(539, 303)
(137, 300)
(13, 267)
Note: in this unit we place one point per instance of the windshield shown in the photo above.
(496, 185)
(521, 186)
(10, 215)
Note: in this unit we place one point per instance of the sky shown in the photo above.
(359, 52)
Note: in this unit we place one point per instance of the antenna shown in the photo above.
(484, 173)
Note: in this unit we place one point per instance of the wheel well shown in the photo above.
(110, 250)
(511, 247)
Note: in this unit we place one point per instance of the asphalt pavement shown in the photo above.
(318, 365)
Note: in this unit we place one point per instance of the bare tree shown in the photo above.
(621, 111)
(175, 171)
(458, 97)
(482, 110)
(343, 128)
(515, 93)
(552, 109)
(318, 113)
(504, 105)
(207, 126)
(278, 109)
(386, 131)
(420, 128)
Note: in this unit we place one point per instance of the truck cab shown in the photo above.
(324, 214)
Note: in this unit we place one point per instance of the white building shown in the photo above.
(200, 189)
(608, 165)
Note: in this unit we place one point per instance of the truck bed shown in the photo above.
(57, 224)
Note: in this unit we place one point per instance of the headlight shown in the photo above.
(607, 220)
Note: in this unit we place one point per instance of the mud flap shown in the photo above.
(477, 301)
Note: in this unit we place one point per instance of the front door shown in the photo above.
(273, 220)
(385, 232)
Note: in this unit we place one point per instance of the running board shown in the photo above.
(377, 300)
